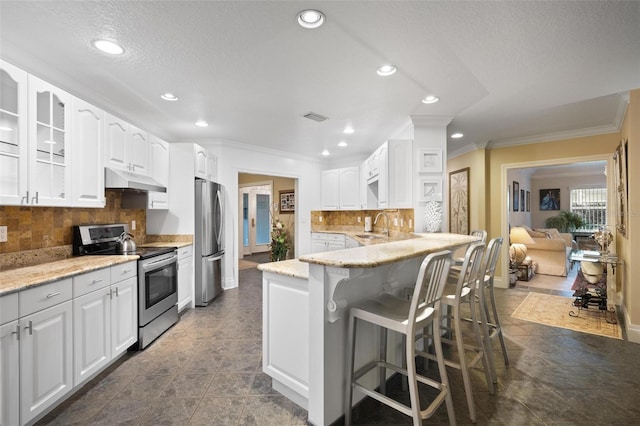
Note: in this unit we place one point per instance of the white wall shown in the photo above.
(565, 184)
(523, 177)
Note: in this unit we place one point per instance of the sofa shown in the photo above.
(550, 250)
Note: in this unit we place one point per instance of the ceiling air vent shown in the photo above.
(315, 117)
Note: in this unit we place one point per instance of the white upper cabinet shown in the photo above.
(159, 170)
(13, 135)
(126, 146)
(87, 158)
(206, 163)
(49, 126)
(387, 176)
(340, 189)
(383, 176)
(331, 189)
(139, 150)
(349, 188)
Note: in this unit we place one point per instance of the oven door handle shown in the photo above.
(159, 263)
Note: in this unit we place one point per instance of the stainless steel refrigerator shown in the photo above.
(208, 240)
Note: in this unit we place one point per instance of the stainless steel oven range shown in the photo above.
(157, 276)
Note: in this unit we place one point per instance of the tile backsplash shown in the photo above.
(333, 218)
(32, 228)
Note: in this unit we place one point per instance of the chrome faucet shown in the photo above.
(386, 229)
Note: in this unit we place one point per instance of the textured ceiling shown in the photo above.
(507, 72)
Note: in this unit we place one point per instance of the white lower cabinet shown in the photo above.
(46, 359)
(321, 241)
(104, 320)
(185, 277)
(124, 315)
(55, 336)
(9, 374)
(91, 333)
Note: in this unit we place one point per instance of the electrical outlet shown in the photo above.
(319, 218)
(401, 222)
(395, 221)
(358, 219)
(410, 223)
(133, 225)
(3, 234)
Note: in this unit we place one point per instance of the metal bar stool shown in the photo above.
(489, 319)
(463, 291)
(405, 317)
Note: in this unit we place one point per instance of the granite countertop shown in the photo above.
(392, 251)
(23, 278)
(292, 268)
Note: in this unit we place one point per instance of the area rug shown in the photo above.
(554, 311)
(246, 264)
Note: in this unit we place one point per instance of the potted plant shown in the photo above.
(566, 221)
(279, 241)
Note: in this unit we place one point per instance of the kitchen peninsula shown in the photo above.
(305, 306)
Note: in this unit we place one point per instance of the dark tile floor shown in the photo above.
(207, 370)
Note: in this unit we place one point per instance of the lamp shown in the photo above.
(518, 237)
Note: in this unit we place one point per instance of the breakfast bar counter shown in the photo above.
(304, 318)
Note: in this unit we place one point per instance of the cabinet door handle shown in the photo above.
(25, 199)
(50, 295)
(126, 271)
(17, 332)
(30, 328)
(95, 282)
(117, 292)
(34, 200)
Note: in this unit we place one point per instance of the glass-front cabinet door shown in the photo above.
(49, 144)
(13, 135)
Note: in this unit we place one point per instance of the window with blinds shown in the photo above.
(591, 204)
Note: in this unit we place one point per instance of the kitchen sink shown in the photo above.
(369, 236)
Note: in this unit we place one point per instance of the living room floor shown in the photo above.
(551, 284)
(207, 370)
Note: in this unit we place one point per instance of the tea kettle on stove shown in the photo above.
(125, 243)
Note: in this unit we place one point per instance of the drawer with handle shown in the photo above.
(44, 296)
(123, 271)
(91, 281)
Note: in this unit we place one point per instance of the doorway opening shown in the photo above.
(562, 177)
(258, 208)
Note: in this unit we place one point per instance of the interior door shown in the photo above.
(256, 219)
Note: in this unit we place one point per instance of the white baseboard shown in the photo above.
(633, 330)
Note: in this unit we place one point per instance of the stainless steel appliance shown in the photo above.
(157, 276)
(208, 240)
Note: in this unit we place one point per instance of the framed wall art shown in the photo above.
(287, 201)
(459, 201)
(528, 201)
(550, 199)
(516, 195)
(430, 161)
(430, 190)
(621, 176)
(522, 204)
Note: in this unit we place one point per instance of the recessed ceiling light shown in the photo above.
(326, 152)
(108, 47)
(201, 123)
(386, 70)
(348, 130)
(457, 135)
(310, 18)
(169, 97)
(342, 144)
(430, 99)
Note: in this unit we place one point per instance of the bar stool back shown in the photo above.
(489, 318)
(463, 291)
(405, 317)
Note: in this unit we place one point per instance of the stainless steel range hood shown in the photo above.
(120, 179)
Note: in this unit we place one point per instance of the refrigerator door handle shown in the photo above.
(214, 258)
(220, 218)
